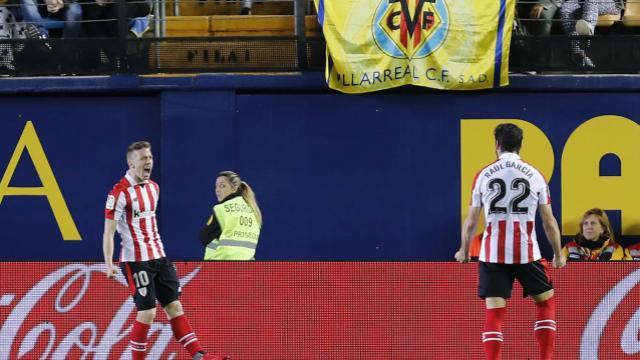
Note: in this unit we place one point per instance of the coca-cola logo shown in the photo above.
(629, 337)
(44, 323)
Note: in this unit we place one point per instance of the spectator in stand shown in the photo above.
(595, 240)
(9, 29)
(542, 14)
(101, 16)
(246, 7)
(632, 252)
(37, 13)
(579, 17)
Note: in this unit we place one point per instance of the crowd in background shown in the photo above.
(573, 17)
(42, 19)
(69, 19)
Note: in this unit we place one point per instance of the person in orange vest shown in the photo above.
(595, 241)
(474, 249)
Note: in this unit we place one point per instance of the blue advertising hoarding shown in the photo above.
(373, 177)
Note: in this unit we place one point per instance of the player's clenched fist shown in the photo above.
(462, 256)
(112, 272)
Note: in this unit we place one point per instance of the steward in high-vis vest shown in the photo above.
(233, 228)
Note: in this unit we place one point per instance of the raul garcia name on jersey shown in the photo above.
(496, 168)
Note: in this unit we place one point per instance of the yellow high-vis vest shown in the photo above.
(240, 232)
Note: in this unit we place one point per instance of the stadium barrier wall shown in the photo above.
(381, 176)
(314, 310)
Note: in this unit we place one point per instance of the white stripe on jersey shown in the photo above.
(510, 245)
(536, 249)
(121, 203)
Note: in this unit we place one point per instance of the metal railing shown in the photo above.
(159, 53)
(156, 52)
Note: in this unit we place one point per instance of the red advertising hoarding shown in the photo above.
(315, 310)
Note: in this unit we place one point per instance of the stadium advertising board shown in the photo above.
(374, 177)
(311, 310)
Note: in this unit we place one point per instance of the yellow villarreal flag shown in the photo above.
(442, 44)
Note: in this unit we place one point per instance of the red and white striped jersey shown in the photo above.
(133, 206)
(510, 191)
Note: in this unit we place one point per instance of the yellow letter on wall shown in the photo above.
(582, 186)
(477, 149)
(29, 141)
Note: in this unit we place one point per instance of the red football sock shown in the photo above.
(545, 328)
(138, 340)
(492, 335)
(183, 332)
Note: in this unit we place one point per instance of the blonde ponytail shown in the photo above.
(250, 197)
(247, 193)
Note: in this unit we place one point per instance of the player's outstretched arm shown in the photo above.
(107, 247)
(550, 226)
(468, 227)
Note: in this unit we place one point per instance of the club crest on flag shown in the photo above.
(442, 44)
(410, 29)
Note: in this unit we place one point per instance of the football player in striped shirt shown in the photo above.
(131, 210)
(511, 191)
